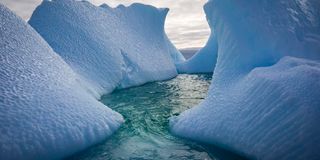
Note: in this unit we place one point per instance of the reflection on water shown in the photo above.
(146, 109)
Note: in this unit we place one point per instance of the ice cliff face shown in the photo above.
(45, 112)
(264, 98)
(109, 47)
(203, 61)
(291, 20)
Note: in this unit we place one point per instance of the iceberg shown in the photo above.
(46, 109)
(263, 102)
(109, 47)
(203, 61)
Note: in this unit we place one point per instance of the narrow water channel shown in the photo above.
(145, 134)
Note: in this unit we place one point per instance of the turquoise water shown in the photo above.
(145, 134)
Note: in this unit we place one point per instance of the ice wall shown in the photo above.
(109, 47)
(45, 112)
(264, 98)
(203, 61)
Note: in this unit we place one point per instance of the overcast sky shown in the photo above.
(186, 24)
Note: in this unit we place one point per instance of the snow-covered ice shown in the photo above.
(264, 101)
(109, 47)
(46, 112)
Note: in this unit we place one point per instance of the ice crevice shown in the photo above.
(128, 69)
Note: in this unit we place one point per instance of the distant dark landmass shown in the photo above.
(189, 52)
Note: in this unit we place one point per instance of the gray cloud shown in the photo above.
(23, 8)
(186, 25)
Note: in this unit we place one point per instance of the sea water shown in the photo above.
(145, 133)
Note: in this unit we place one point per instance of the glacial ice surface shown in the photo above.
(45, 111)
(109, 47)
(264, 101)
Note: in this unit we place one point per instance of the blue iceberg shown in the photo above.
(46, 111)
(264, 99)
(109, 47)
(52, 75)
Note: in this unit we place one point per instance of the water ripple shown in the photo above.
(146, 109)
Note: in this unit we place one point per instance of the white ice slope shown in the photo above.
(45, 112)
(264, 99)
(109, 47)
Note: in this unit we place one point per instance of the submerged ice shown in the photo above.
(264, 98)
